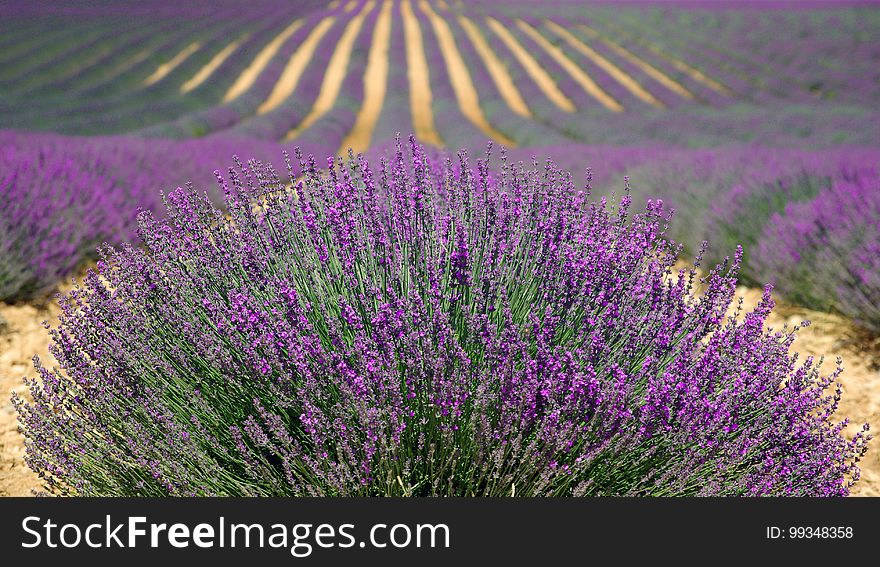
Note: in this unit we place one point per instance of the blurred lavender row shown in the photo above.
(61, 197)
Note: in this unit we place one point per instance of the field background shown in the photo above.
(746, 116)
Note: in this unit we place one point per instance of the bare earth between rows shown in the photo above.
(830, 336)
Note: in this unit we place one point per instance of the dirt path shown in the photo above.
(680, 65)
(23, 335)
(606, 65)
(646, 67)
(296, 66)
(334, 75)
(208, 69)
(375, 85)
(460, 77)
(586, 82)
(164, 69)
(419, 78)
(249, 76)
(497, 70)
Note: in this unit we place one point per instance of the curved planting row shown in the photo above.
(821, 53)
(292, 73)
(510, 114)
(825, 251)
(98, 84)
(334, 112)
(396, 114)
(512, 75)
(151, 101)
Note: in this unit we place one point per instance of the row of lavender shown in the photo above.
(788, 51)
(91, 74)
(730, 111)
(809, 220)
(61, 197)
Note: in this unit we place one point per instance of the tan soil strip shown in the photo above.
(249, 76)
(579, 75)
(692, 72)
(496, 68)
(419, 79)
(375, 85)
(335, 74)
(289, 79)
(544, 81)
(21, 338)
(465, 92)
(205, 72)
(93, 57)
(162, 70)
(442, 5)
(333, 5)
(646, 67)
(616, 72)
(351, 5)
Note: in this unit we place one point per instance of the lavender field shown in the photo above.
(289, 265)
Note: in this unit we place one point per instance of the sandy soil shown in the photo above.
(832, 336)
(576, 73)
(335, 73)
(289, 79)
(606, 65)
(537, 73)
(680, 65)
(497, 69)
(22, 335)
(419, 78)
(165, 68)
(249, 76)
(646, 67)
(208, 69)
(460, 78)
(375, 83)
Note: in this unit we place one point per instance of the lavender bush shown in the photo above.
(825, 252)
(426, 328)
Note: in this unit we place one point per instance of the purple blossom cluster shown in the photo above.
(424, 327)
